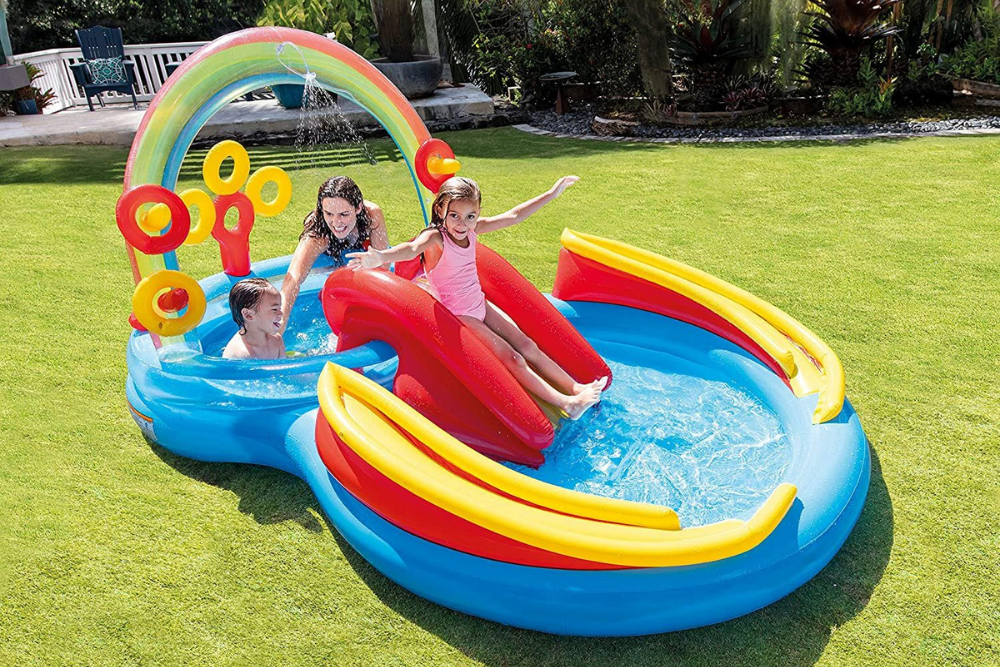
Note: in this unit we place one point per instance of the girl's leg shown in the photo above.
(574, 405)
(546, 367)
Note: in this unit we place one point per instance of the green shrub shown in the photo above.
(350, 20)
(871, 99)
(974, 60)
(595, 39)
(47, 24)
(503, 43)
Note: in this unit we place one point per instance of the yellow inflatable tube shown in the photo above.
(364, 416)
(500, 477)
(776, 345)
(830, 385)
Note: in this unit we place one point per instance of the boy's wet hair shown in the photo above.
(246, 294)
(456, 188)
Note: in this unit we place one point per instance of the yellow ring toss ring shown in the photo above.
(213, 163)
(202, 201)
(255, 187)
(147, 311)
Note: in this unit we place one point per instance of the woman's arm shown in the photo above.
(306, 252)
(374, 258)
(522, 211)
(378, 236)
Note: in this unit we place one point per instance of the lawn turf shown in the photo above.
(116, 552)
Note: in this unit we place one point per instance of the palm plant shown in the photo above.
(708, 41)
(844, 29)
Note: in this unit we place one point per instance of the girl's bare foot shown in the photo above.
(601, 383)
(585, 399)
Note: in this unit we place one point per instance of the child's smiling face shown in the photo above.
(266, 317)
(340, 216)
(461, 218)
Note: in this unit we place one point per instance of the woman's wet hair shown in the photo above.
(315, 223)
(456, 188)
(246, 294)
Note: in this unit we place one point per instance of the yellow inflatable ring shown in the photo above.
(213, 163)
(148, 313)
(255, 187)
(158, 217)
(202, 201)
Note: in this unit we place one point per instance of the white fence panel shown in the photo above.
(150, 71)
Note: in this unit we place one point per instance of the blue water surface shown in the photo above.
(707, 449)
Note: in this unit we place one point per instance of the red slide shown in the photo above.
(445, 371)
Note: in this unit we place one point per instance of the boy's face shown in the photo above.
(461, 218)
(266, 317)
(340, 216)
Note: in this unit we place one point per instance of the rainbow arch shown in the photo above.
(236, 64)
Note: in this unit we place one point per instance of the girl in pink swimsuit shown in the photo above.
(454, 281)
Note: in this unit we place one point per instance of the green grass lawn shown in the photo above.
(116, 552)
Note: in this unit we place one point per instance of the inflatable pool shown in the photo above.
(723, 469)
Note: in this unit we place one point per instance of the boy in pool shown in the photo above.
(256, 308)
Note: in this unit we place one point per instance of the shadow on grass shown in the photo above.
(106, 164)
(791, 632)
(267, 495)
(514, 143)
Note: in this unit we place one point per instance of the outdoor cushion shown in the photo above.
(104, 71)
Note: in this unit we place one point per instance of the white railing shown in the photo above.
(150, 61)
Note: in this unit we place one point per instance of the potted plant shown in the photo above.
(24, 102)
(30, 99)
(415, 75)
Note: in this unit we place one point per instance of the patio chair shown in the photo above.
(106, 69)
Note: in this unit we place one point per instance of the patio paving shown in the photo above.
(116, 124)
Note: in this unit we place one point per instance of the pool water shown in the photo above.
(308, 332)
(311, 334)
(709, 450)
(705, 448)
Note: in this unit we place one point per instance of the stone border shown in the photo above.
(985, 131)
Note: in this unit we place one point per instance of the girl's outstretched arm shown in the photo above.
(373, 258)
(522, 211)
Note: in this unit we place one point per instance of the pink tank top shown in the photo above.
(455, 282)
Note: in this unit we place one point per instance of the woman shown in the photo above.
(343, 222)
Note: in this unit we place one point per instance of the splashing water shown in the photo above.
(322, 121)
(707, 449)
(322, 124)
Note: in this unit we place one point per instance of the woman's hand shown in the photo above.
(370, 259)
(562, 184)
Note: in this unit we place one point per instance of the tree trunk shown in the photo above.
(649, 20)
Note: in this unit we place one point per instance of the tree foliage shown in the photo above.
(35, 25)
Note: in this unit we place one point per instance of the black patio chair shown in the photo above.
(100, 43)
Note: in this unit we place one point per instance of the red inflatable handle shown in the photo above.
(427, 150)
(234, 243)
(128, 206)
